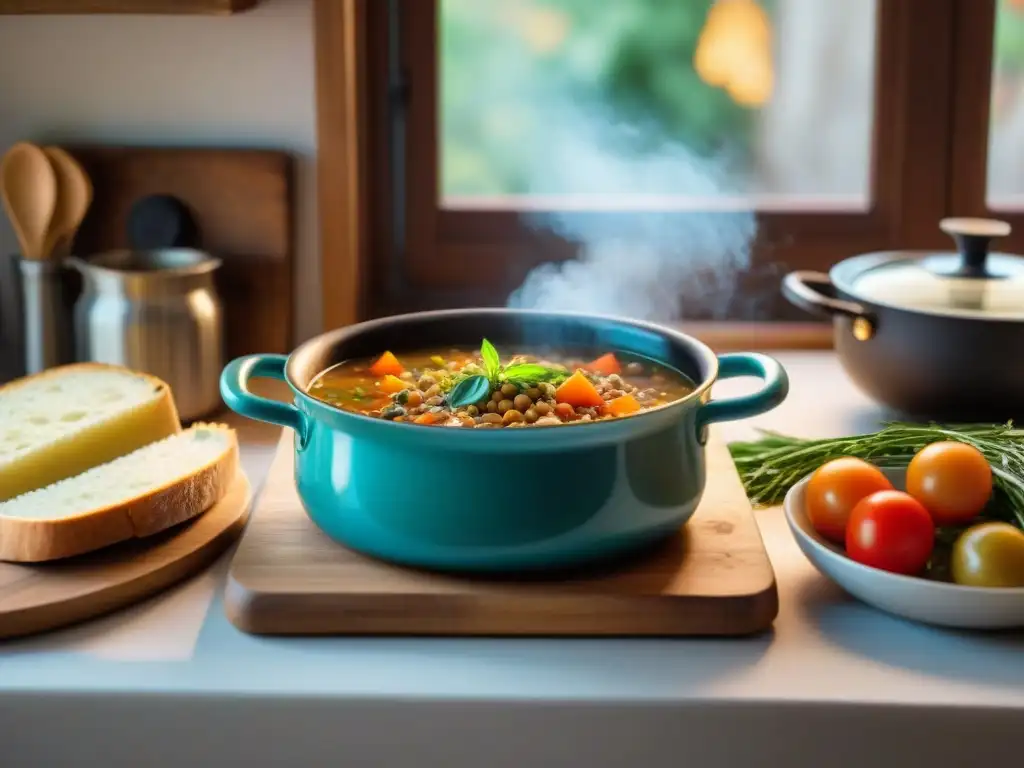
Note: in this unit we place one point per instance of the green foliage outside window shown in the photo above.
(508, 68)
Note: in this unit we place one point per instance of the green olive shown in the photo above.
(989, 555)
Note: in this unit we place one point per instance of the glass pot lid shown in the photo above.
(971, 283)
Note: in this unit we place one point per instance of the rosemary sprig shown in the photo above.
(769, 467)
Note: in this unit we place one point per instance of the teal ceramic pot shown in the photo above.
(501, 499)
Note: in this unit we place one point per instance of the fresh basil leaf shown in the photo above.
(492, 363)
(524, 371)
(532, 372)
(469, 391)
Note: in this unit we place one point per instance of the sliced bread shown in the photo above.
(142, 493)
(63, 421)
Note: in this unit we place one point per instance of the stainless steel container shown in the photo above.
(157, 312)
(45, 327)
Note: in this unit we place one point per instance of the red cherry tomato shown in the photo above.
(953, 481)
(890, 530)
(834, 490)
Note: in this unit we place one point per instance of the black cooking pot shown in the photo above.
(930, 335)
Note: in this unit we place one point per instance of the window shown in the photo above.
(553, 104)
(1004, 189)
(987, 106)
(674, 160)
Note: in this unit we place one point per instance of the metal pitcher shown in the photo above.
(158, 312)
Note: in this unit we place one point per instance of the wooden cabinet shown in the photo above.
(211, 7)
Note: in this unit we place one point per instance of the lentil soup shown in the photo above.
(481, 389)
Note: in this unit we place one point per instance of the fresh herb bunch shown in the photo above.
(769, 467)
(474, 388)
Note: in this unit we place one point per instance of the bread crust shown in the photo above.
(28, 540)
(60, 370)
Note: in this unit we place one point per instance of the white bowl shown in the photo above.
(931, 602)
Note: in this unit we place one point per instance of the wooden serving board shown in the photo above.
(714, 578)
(34, 598)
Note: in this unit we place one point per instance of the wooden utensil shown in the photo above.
(30, 196)
(74, 195)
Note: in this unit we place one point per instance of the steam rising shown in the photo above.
(669, 264)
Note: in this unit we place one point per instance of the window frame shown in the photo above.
(972, 89)
(344, 197)
(392, 249)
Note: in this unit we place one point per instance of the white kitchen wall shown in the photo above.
(244, 80)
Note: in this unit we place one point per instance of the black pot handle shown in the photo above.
(796, 287)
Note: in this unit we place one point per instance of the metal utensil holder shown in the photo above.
(46, 324)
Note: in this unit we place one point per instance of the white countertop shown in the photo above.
(831, 669)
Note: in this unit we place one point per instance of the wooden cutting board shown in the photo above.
(242, 201)
(34, 598)
(714, 578)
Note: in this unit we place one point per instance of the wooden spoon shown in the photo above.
(74, 196)
(29, 187)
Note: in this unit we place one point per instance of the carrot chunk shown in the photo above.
(606, 365)
(427, 418)
(391, 384)
(578, 392)
(387, 363)
(623, 406)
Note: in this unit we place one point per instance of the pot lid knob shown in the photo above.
(972, 237)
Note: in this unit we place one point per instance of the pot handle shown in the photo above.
(796, 286)
(774, 391)
(234, 388)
